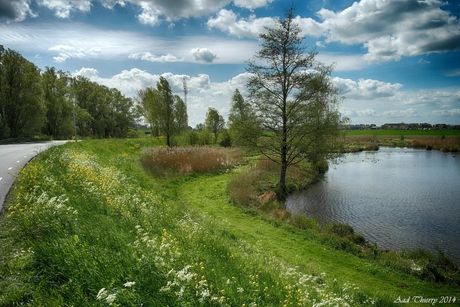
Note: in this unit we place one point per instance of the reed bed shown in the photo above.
(166, 161)
(445, 144)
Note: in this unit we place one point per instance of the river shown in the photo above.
(395, 197)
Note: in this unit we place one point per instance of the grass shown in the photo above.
(85, 225)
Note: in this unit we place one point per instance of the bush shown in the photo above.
(225, 140)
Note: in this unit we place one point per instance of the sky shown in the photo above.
(395, 60)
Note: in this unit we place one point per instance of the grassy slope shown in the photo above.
(207, 194)
(206, 199)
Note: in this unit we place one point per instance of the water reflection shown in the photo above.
(397, 198)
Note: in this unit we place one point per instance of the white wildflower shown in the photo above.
(205, 293)
(111, 298)
(239, 289)
(101, 294)
(129, 284)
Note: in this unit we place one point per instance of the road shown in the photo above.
(13, 158)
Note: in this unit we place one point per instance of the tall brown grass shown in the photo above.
(168, 161)
(446, 144)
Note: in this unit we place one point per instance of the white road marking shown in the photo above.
(1, 178)
(18, 161)
(10, 168)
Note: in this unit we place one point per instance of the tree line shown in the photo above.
(54, 103)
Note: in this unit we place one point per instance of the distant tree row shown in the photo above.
(53, 103)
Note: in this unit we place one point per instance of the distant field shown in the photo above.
(403, 132)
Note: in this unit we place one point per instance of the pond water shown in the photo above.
(395, 197)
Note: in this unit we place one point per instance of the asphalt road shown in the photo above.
(12, 160)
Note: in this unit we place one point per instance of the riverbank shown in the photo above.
(359, 140)
(85, 225)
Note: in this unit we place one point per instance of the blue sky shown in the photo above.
(396, 61)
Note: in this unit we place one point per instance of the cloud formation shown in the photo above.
(388, 30)
(227, 21)
(401, 113)
(392, 29)
(152, 12)
(16, 10)
(366, 88)
(66, 52)
(147, 56)
(203, 55)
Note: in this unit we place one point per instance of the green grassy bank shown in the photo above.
(85, 225)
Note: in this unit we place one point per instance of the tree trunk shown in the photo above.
(168, 140)
(282, 184)
(284, 165)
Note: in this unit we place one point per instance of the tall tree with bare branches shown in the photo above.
(294, 98)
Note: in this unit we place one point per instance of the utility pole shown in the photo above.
(184, 83)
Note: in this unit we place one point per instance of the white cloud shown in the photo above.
(63, 8)
(154, 11)
(446, 113)
(66, 52)
(401, 113)
(203, 55)
(342, 62)
(350, 112)
(251, 4)
(388, 30)
(150, 15)
(392, 29)
(366, 88)
(430, 97)
(226, 21)
(147, 56)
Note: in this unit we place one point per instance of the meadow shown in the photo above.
(87, 224)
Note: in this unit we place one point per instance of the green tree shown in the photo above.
(122, 113)
(180, 110)
(56, 96)
(243, 125)
(214, 122)
(22, 112)
(83, 97)
(166, 113)
(294, 98)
